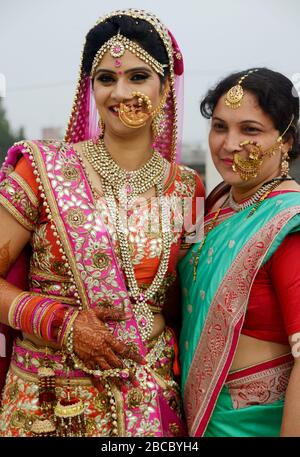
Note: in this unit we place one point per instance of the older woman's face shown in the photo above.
(113, 85)
(230, 127)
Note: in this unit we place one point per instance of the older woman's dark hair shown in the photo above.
(138, 30)
(275, 93)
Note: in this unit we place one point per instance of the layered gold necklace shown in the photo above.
(123, 185)
(135, 182)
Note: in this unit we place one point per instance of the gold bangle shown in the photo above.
(12, 309)
(69, 327)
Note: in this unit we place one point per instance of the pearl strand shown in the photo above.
(253, 199)
(143, 313)
(113, 178)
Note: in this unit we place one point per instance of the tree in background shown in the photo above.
(7, 137)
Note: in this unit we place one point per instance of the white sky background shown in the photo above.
(41, 42)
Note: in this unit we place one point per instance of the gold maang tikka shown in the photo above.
(236, 93)
(117, 46)
(248, 168)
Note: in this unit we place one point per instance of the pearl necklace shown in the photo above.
(143, 314)
(255, 197)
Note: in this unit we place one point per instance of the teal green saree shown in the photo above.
(219, 403)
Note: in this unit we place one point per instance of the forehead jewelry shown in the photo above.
(117, 46)
(236, 93)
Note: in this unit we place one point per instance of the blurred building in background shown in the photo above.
(55, 133)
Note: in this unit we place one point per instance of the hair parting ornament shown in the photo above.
(236, 93)
(117, 46)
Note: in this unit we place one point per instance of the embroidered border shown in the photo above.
(26, 188)
(58, 221)
(49, 276)
(264, 387)
(31, 377)
(16, 214)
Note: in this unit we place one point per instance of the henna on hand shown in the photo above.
(125, 351)
(109, 314)
(89, 338)
(4, 257)
(94, 343)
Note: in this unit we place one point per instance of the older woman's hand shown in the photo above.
(94, 344)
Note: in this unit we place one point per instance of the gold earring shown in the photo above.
(159, 116)
(158, 124)
(285, 166)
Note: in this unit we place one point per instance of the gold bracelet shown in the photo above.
(69, 327)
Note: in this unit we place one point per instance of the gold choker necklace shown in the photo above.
(135, 182)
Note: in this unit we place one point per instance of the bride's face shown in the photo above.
(114, 85)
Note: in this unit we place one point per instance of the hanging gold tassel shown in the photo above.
(44, 426)
(69, 416)
(47, 384)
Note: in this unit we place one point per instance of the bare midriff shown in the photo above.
(252, 351)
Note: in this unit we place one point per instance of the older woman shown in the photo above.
(96, 357)
(241, 283)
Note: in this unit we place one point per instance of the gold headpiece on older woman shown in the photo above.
(236, 93)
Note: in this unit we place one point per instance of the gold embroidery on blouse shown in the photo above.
(26, 187)
(16, 214)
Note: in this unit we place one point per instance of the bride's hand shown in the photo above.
(94, 344)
